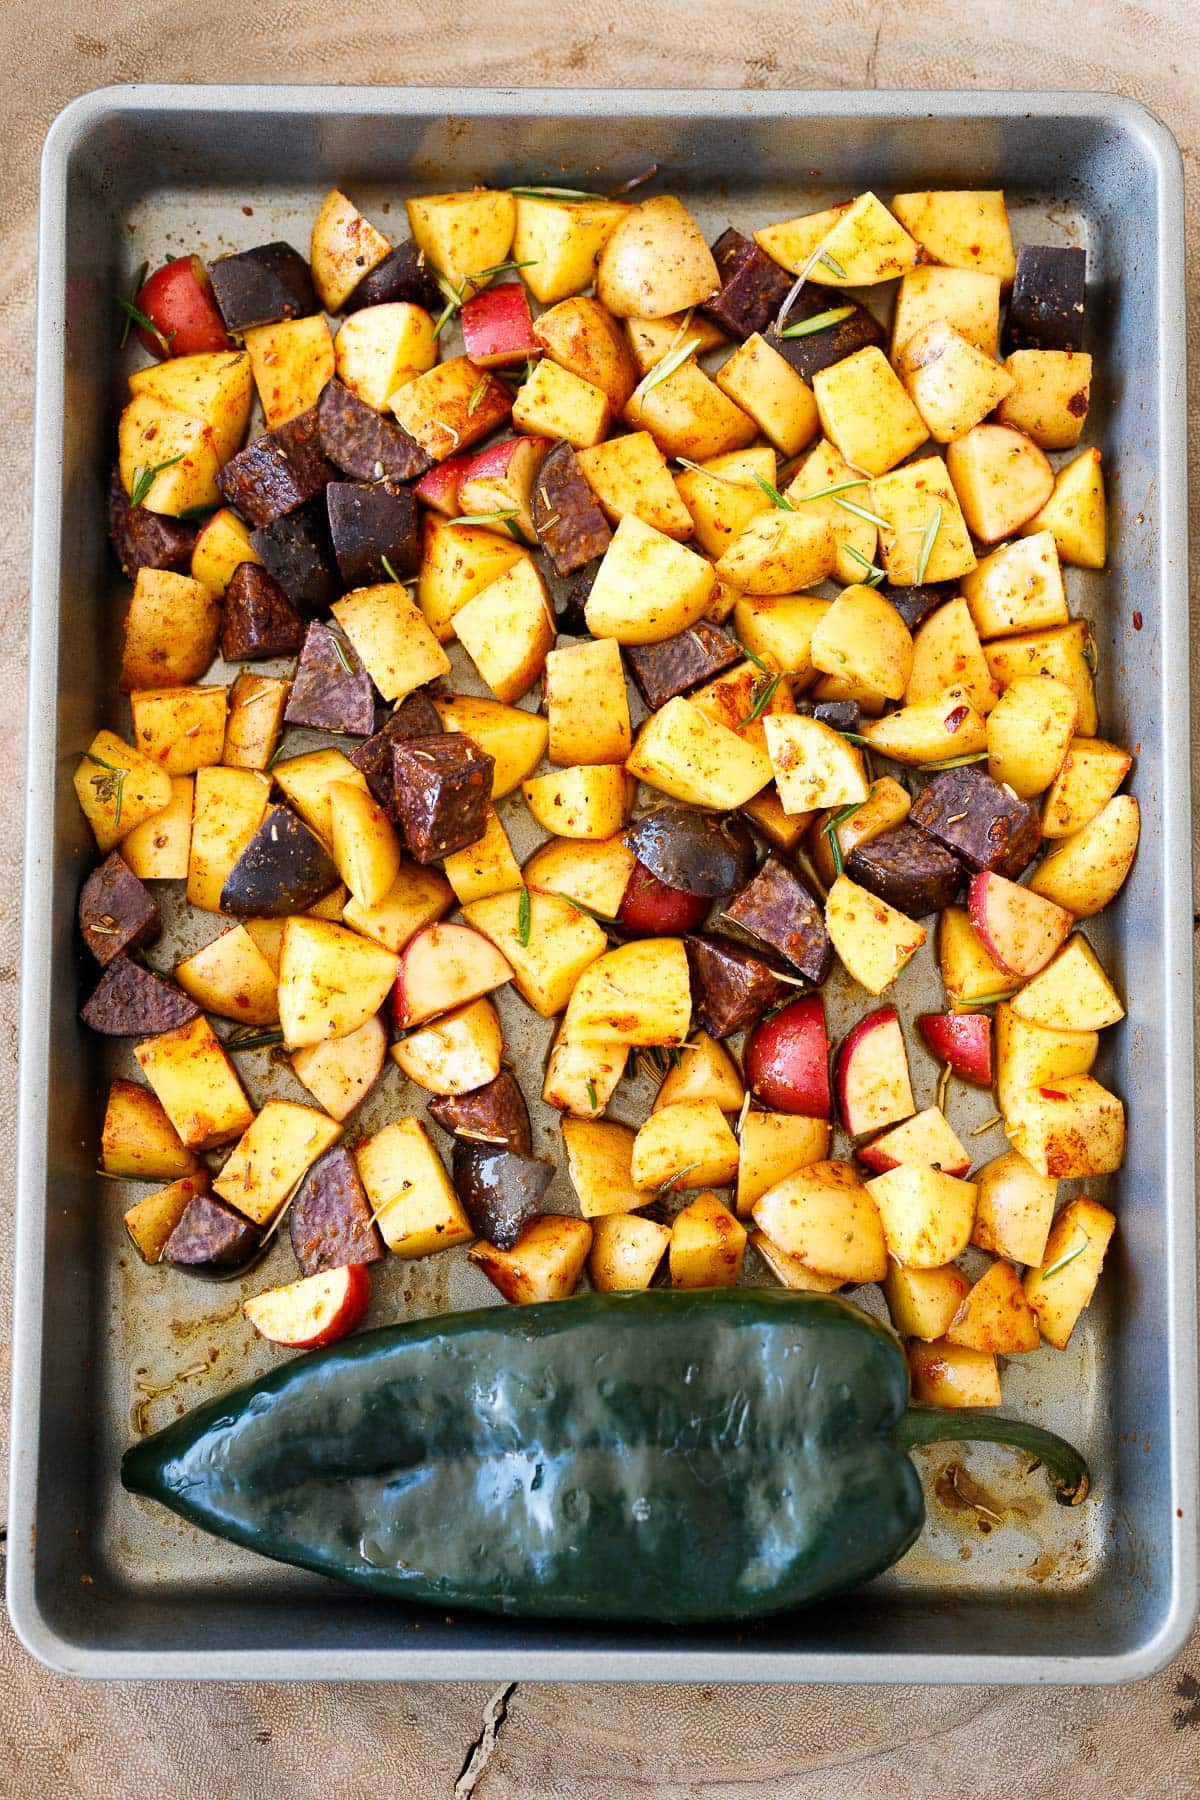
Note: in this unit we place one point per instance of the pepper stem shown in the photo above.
(967, 1425)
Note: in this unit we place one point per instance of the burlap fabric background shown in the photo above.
(66, 1738)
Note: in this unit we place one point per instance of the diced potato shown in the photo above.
(813, 764)
(927, 1215)
(855, 538)
(765, 385)
(256, 708)
(306, 781)
(1013, 1208)
(222, 543)
(968, 972)
(458, 562)
(581, 1079)
(922, 1302)
(596, 873)
(557, 404)
(682, 753)
(947, 654)
(1090, 775)
(151, 1221)
(861, 244)
(996, 1316)
(656, 261)
(507, 630)
(559, 241)
(920, 505)
(790, 1271)
(950, 1375)
(639, 993)
(1088, 869)
(170, 631)
(232, 978)
(196, 1083)
(964, 229)
(548, 958)
(721, 496)
(344, 247)
(1018, 588)
(599, 1159)
(392, 638)
(486, 867)
(1027, 1055)
(363, 842)
(1076, 513)
(1029, 732)
(515, 740)
(1063, 651)
(179, 453)
(450, 407)
(1049, 397)
(342, 1071)
(180, 728)
(630, 475)
(783, 831)
(701, 1070)
(1059, 1290)
(545, 1263)
(118, 788)
(929, 732)
(158, 850)
(650, 340)
(587, 705)
(863, 638)
(873, 940)
(330, 980)
(967, 299)
(138, 1140)
(707, 1245)
(273, 1156)
(216, 387)
(772, 1146)
(740, 698)
(626, 1251)
(416, 898)
(585, 801)
(647, 587)
(778, 552)
(465, 233)
(687, 1145)
(952, 383)
(1001, 478)
(584, 338)
(686, 413)
(837, 687)
(382, 348)
(886, 806)
(227, 810)
(456, 1053)
(292, 361)
(823, 1215)
(926, 1140)
(780, 632)
(866, 413)
(415, 1207)
(1071, 1128)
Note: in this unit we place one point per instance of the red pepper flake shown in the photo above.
(955, 719)
(1137, 621)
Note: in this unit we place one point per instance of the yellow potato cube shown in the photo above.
(965, 229)
(1076, 513)
(151, 1221)
(995, 1315)
(118, 788)
(584, 338)
(330, 980)
(865, 412)
(507, 630)
(596, 873)
(1064, 652)
(196, 1084)
(772, 1146)
(925, 533)
(953, 384)
(581, 1079)
(227, 810)
(561, 405)
(928, 732)
(292, 361)
(306, 781)
(1019, 587)
(515, 740)
(158, 849)
(686, 1145)
(1059, 1290)
(1001, 478)
(702, 1070)
(139, 1141)
(1091, 773)
(414, 1205)
(170, 631)
(464, 234)
(1049, 397)
(343, 249)
(216, 387)
(650, 340)
(416, 898)
(451, 406)
(778, 552)
(813, 764)
(630, 475)
(647, 587)
(547, 960)
(232, 978)
(626, 1251)
(741, 698)
(167, 457)
(855, 538)
(922, 1302)
(927, 1215)
(1014, 1206)
(545, 1263)
(1088, 869)
(341, 1071)
(860, 244)
(382, 348)
(363, 842)
(824, 1216)
(694, 759)
(1072, 992)
(721, 496)
(456, 1053)
(222, 542)
(1028, 1055)
(584, 801)
(686, 413)
(182, 729)
(256, 708)
(656, 261)
(486, 867)
(1071, 1128)
(779, 631)
(393, 641)
(873, 940)
(967, 299)
(639, 993)
(1029, 732)
(587, 705)
(945, 1374)
(707, 1245)
(790, 1271)
(862, 638)
(273, 1156)
(599, 1160)
(458, 562)
(560, 242)
(968, 973)
(765, 385)
(947, 654)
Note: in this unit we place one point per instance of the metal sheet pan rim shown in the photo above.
(673, 1664)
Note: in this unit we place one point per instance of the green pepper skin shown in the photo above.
(650, 1456)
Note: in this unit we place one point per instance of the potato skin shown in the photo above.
(501, 1192)
(116, 912)
(978, 820)
(368, 521)
(494, 1114)
(132, 1001)
(908, 869)
(258, 620)
(330, 1219)
(677, 664)
(212, 1239)
(145, 540)
(415, 717)
(731, 986)
(283, 869)
(778, 909)
(327, 695)
(279, 472)
(1045, 311)
(701, 853)
(262, 286)
(570, 526)
(821, 349)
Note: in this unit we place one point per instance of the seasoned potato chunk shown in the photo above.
(866, 413)
(694, 759)
(921, 508)
(707, 1245)
(647, 587)
(965, 229)
(1059, 1290)
(859, 244)
(1049, 397)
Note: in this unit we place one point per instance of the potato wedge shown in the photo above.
(558, 404)
(232, 978)
(330, 980)
(707, 1245)
(630, 475)
(1059, 1290)
(639, 993)
(813, 764)
(927, 1215)
(1001, 478)
(967, 299)
(995, 1315)
(1014, 1206)
(780, 632)
(549, 957)
(514, 739)
(969, 974)
(647, 587)
(702, 1070)
(415, 899)
(1026, 1055)
(689, 756)
(823, 1215)
(778, 552)
(167, 457)
(444, 966)
(256, 708)
(581, 1079)
(222, 542)
(873, 940)
(545, 1263)
(196, 1084)
(215, 387)
(585, 339)
(626, 1251)
(1088, 869)
(862, 638)
(1076, 513)
(1018, 588)
(922, 1302)
(456, 1053)
(138, 1140)
(272, 1156)
(789, 1270)
(599, 1160)
(929, 732)
(1091, 773)
(945, 1374)
(685, 1146)
(1049, 397)
(411, 1198)
(586, 801)
(595, 872)
(855, 538)
(772, 1146)
(118, 788)
(343, 249)
(656, 261)
(228, 808)
(947, 654)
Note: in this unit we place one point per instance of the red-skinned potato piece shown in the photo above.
(964, 1040)
(314, 1311)
(872, 1080)
(501, 478)
(497, 327)
(649, 908)
(1019, 930)
(179, 299)
(787, 1059)
(442, 967)
(438, 487)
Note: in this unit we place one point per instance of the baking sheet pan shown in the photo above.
(102, 1584)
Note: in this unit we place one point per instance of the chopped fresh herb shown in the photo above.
(444, 317)
(819, 322)
(988, 1124)
(838, 488)
(554, 193)
(631, 1062)
(501, 517)
(1062, 1261)
(958, 762)
(667, 365)
(476, 395)
(856, 737)
(711, 474)
(593, 1100)
(1091, 655)
(339, 650)
(635, 181)
(500, 268)
(834, 267)
(741, 1118)
(203, 511)
(874, 573)
(524, 918)
(110, 786)
(135, 316)
(764, 693)
(144, 477)
(752, 656)
(862, 512)
(137, 288)
(830, 830)
(928, 541)
(276, 754)
(254, 1037)
(773, 494)
(588, 911)
(943, 1088)
(672, 1181)
(388, 569)
(989, 999)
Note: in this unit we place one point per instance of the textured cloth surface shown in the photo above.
(61, 1738)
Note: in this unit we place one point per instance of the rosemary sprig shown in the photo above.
(110, 786)
(1062, 1261)
(144, 478)
(819, 322)
(874, 573)
(829, 493)
(593, 1098)
(862, 512)
(928, 541)
(856, 737)
(958, 762)
(588, 911)
(991, 999)
(388, 570)
(501, 268)
(524, 918)
(1091, 654)
(502, 516)
(943, 1088)
(554, 193)
(834, 267)
(667, 365)
(764, 693)
(830, 830)
(454, 300)
(276, 754)
(773, 494)
(476, 394)
(753, 656)
(339, 650)
(254, 1037)
(996, 1119)
(129, 310)
(635, 181)
(135, 316)
(711, 475)
(203, 511)
(672, 1181)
